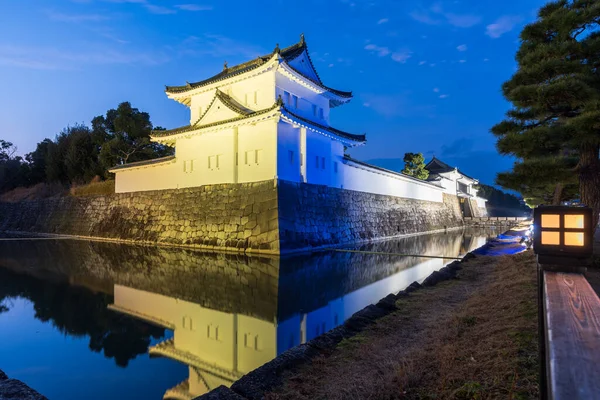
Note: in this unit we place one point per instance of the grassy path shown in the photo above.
(474, 337)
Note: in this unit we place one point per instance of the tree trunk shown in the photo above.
(589, 178)
(558, 191)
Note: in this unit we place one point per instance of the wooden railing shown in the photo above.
(569, 336)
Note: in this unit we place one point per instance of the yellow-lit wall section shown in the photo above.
(550, 238)
(550, 221)
(574, 221)
(574, 238)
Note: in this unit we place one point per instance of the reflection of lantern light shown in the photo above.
(562, 232)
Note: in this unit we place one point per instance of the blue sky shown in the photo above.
(426, 74)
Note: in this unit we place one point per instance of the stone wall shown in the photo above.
(313, 216)
(259, 217)
(226, 217)
(477, 211)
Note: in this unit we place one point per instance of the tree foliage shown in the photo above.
(501, 203)
(125, 135)
(79, 153)
(554, 126)
(414, 165)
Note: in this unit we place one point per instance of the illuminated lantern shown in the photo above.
(562, 234)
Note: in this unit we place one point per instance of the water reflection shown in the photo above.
(78, 312)
(229, 313)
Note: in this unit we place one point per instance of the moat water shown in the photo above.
(78, 319)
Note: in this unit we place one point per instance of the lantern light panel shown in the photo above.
(561, 231)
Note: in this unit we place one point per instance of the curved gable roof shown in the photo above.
(288, 54)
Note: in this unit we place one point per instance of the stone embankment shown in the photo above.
(312, 216)
(224, 217)
(12, 389)
(273, 217)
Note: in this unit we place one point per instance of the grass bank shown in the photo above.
(474, 337)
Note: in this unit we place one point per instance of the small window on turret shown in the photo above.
(286, 96)
(321, 113)
(314, 109)
(295, 101)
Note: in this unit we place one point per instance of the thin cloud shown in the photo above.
(76, 18)
(424, 18)
(401, 56)
(462, 47)
(217, 46)
(502, 25)
(436, 90)
(462, 21)
(50, 58)
(444, 96)
(193, 7)
(435, 15)
(382, 21)
(423, 63)
(462, 61)
(379, 50)
(486, 59)
(154, 9)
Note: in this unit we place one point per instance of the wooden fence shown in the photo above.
(569, 336)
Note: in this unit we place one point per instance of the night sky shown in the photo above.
(426, 74)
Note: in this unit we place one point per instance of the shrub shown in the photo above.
(94, 188)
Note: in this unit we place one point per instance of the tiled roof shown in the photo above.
(346, 135)
(142, 163)
(288, 54)
(278, 104)
(437, 166)
(193, 127)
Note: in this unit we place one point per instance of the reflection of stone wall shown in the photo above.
(227, 216)
(312, 215)
(225, 282)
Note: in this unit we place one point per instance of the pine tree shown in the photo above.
(414, 165)
(556, 100)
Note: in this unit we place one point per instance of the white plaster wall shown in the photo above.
(152, 177)
(319, 147)
(256, 93)
(205, 159)
(261, 138)
(306, 98)
(372, 181)
(289, 152)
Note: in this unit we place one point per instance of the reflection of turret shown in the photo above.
(229, 313)
(218, 347)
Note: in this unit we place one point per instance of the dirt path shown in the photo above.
(471, 337)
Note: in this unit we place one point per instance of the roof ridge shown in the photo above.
(187, 128)
(232, 104)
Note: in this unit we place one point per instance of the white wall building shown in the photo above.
(265, 119)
